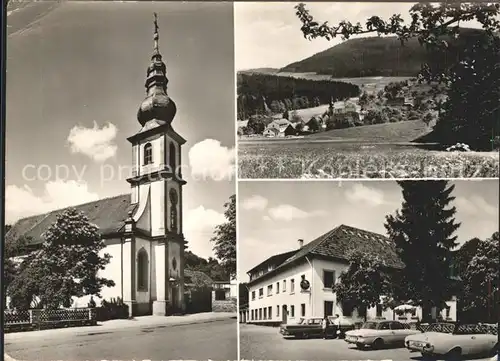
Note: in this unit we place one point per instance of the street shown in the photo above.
(265, 343)
(216, 340)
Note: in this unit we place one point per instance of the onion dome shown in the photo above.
(157, 105)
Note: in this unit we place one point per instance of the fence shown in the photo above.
(25, 320)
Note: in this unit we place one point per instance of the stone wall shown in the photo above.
(228, 305)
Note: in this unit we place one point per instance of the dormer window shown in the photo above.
(148, 154)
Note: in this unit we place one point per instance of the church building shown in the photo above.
(143, 229)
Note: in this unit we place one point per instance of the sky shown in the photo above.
(75, 80)
(274, 215)
(268, 34)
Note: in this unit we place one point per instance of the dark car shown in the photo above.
(341, 325)
(307, 327)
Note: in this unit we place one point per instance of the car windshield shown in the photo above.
(301, 321)
(370, 325)
(441, 327)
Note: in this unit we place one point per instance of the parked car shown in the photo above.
(307, 327)
(378, 334)
(455, 340)
(342, 325)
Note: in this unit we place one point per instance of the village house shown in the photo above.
(279, 128)
(298, 283)
(143, 230)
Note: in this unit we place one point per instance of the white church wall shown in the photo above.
(157, 208)
(112, 271)
(152, 261)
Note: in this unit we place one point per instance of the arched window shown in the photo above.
(173, 210)
(171, 158)
(142, 270)
(148, 154)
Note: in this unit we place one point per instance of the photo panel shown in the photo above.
(120, 185)
(365, 90)
(369, 270)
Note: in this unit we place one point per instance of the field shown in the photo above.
(348, 160)
(374, 151)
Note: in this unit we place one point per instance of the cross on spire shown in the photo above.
(156, 35)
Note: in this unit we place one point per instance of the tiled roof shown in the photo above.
(277, 259)
(338, 244)
(108, 214)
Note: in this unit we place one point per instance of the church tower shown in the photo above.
(155, 227)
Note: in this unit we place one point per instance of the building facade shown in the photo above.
(296, 284)
(142, 230)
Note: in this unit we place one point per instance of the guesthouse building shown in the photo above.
(298, 283)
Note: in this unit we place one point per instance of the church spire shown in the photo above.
(157, 105)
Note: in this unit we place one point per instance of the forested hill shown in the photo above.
(373, 56)
(259, 92)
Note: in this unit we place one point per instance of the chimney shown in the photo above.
(301, 243)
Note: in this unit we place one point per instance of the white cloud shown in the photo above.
(199, 226)
(475, 205)
(255, 202)
(23, 202)
(96, 143)
(266, 218)
(287, 212)
(209, 159)
(360, 193)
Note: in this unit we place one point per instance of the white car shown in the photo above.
(378, 334)
(454, 341)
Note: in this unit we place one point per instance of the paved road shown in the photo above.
(265, 343)
(215, 340)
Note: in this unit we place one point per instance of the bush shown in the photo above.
(112, 310)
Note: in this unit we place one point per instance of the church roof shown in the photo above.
(338, 244)
(108, 214)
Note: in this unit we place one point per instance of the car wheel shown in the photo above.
(495, 350)
(454, 355)
(378, 344)
(427, 357)
(305, 335)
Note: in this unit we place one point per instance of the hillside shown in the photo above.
(372, 56)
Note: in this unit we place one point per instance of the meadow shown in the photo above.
(327, 160)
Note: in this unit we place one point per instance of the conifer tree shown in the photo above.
(423, 232)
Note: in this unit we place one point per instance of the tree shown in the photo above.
(66, 266)
(428, 118)
(480, 299)
(423, 235)
(463, 256)
(225, 238)
(243, 293)
(12, 266)
(362, 284)
(473, 80)
(313, 125)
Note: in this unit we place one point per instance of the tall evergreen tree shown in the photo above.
(423, 234)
